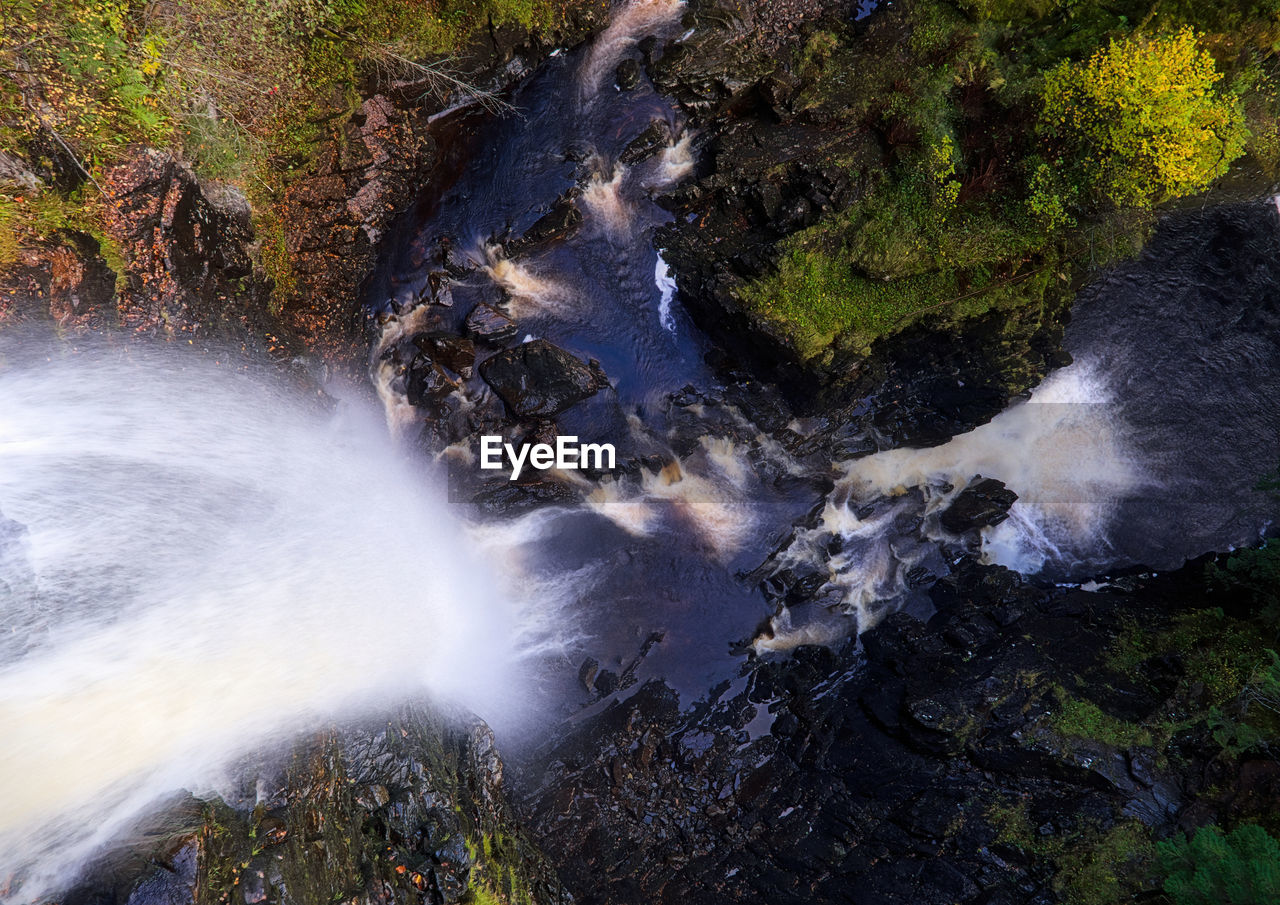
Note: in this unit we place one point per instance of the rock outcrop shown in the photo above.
(540, 380)
(411, 809)
(931, 767)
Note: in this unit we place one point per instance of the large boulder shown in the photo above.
(982, 503)
(538, 379)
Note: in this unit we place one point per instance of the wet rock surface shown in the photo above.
(538, 379)
(927, 767)
(982, 503)
(408, 810)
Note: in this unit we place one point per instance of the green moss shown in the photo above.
(815, 296)
(1093, 865)
(479, 895)
(1083, 719)
(1106, 868)
(9, 240)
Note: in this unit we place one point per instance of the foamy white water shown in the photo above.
(1066, 452)
(631, 21)
(1063, 451)
(529, 292)
(605, 205)
(216, 566)
(666, 284)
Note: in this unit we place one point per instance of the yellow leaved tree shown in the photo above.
(1143, 120)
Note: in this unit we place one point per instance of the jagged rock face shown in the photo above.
(408, 810)
(186, 249)
(883, 776)
(538, 379)
(335, 216)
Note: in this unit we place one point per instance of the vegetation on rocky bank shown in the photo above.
(246, 94)
(1028, 144)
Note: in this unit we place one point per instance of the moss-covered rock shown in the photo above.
(409, 809)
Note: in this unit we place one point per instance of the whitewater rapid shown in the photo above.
(207, 564)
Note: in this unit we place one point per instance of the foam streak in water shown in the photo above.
(631, 22)
(1063, 452)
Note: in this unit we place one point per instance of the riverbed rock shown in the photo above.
(925, 765)
(983, 502)
(538, 379)
(456, 353)
(627, 74)
(648, 143)
(487, 323)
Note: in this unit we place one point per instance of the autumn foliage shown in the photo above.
(1143, 120)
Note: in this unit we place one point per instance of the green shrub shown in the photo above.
(1255, 573)
(1239, 868)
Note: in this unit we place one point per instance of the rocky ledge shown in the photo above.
(1007, 751)
(410, 809)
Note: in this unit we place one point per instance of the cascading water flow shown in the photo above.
(1146, 451)
(546, 233)
(196, 564)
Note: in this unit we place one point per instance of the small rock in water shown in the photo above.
(627, 75)
(454, 352)
(982, 503)
(587, 673)
(488, 323)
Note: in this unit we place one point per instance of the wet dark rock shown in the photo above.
(648, 143)
(490, 325)
(66, 281)
(427, 383)
(454, 352)
(564, 217)
(540, 379)
(983, 502)
(884, 777)
(627, 74)
(512, 498)
(606, 683)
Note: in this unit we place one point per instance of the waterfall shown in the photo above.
(211, 563)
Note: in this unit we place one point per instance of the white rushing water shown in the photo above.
(208, 566)
(1066, 452)
(666, 284)
(627, 25)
